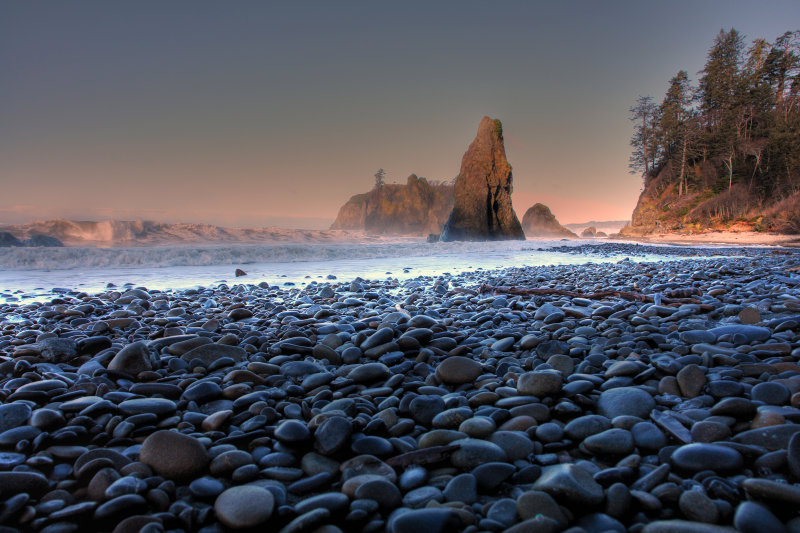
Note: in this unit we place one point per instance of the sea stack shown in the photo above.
(482, 210)
(539, 221)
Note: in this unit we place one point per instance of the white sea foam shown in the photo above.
(239, 254)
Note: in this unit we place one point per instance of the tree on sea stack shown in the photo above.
(482, 210)
(380, 178)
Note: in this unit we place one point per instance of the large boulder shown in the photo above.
(482, 210)
(538, 221)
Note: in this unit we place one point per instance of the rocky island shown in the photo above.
(416, 208)
(539, 221)
(482, 208)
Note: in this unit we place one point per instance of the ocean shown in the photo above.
(31, 274)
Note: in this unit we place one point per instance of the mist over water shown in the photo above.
(36, 271)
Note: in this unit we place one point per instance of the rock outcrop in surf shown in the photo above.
(482, 210)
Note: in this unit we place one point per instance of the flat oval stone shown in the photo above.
(16, 482)
(475, 452)
(457, 370)
(245, 506)
(700, 456)
(158, 406)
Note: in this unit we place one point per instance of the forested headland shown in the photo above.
(724, 151)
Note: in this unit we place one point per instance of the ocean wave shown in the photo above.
(69, 258)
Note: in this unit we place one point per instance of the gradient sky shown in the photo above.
(254, 113)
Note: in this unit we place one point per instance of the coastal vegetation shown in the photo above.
(726, 150)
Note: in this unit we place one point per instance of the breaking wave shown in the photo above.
(68, 258)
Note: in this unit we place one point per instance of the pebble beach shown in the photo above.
(627, 396)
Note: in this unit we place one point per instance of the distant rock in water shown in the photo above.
(42, 240)
(8, 240)
(239, 273)
(591, 231)
(482, 210)
(416, 208)
(538, 221)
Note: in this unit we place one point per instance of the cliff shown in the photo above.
(482, 209)
(711, 203)
(539, 221)
(416, 208)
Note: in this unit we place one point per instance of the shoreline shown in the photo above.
(387, 404)
(734, 238)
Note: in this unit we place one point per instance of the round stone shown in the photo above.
(625, 401)
(245, 506)
(542, 383)
(382, 491)
(13, 415)
(332, 435)
(457, 370)
(475, 452)
(292, 432)
(752, 517)
(771, 393)
(174, 455)
(698, 507)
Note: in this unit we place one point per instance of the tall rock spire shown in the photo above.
(482, 209)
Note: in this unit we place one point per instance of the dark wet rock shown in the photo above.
(474, 452)
(793, 455)
(369, 372)
(570, 483)
(700, 456)
(752, 517)
(13, 415)
(628, 401)
(132, 359)
(542, 383)
(57, 350)
(428, 520)
(772, 438)
(209, 353)
(174, 455)
(16, 482)
(457, 370)
(244, 507)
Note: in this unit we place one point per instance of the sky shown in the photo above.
(254, 113)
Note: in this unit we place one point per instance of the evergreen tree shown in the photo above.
(720, 94)
(644, 115)
(380, 178)
(674, 127)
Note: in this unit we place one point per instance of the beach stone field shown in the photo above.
(517, 400)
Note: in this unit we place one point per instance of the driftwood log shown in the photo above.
(674, 297)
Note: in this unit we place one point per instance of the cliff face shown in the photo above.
(539, 221)
(482, 208)
(710, 203)
(416, 208)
